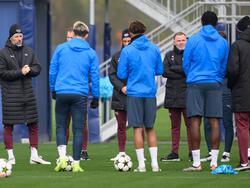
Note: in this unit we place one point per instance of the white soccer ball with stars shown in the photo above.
(123, 163)
(69, 161)
(5, 168)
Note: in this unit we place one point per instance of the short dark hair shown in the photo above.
(137, 27)
(209, 18)
(179, 33)
(70, 29)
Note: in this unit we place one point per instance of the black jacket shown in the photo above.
(239, 72)
(119, 100)
(18, 100)
(175, 96)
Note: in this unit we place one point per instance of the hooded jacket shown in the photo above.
(70, 66)
(139, 63)
(18, 99)
(239, 72)
(205, 57)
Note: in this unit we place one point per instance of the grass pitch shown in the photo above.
(100, 172)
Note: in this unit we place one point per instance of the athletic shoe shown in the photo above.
(190, 157)
(192, 169)
(225, 157)
(242, 168)
(156, 169)
(2, 174)
(76, 168)
(207, 158)
(12, 161)
(61, 165)
(171, 157)
(38, 160)
(116, 157)
(84, 156)
(248, 154)
(213, 167)
(138, 169)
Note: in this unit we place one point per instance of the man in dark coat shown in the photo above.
(239, 82)
(119, 99)
(175, 97)
(18, 64)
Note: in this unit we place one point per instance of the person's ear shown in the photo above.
(86, 36)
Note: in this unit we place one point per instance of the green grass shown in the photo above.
(100, 172)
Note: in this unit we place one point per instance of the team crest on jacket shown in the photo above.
(172, 57)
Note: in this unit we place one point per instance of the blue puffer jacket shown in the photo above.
(70, 66)
(139, 63)
(205, 57)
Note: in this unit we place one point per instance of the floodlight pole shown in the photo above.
(106, 53)
(92, 31)
(93, 114)
(233, 35)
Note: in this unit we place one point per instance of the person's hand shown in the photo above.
(124, 90)
(54, 95)
(25, 69)
(94, 103)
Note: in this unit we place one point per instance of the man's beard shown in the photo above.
(19, 44)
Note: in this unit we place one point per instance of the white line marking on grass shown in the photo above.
(40, 177)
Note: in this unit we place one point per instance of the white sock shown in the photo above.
(140, 157)
(215, 153)
(248, 152)
(33, 152)
(10, 153)
(153, 155)
(76, 162)
(196, 158)
(62, 150)
(122, 153)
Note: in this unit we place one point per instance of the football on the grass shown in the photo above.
(123, 163)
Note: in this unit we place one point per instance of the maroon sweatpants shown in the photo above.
(121, 117)
(85, 133)
(8, 137)
(175, 117)
(242, 129)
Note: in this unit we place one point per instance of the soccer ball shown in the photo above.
(5, 168)
(69, 164)
(69, 161)
(123, 163)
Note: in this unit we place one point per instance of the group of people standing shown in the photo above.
(195, 70)
(201, 72)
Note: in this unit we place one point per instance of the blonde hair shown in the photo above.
(80, 29)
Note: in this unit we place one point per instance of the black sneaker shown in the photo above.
(242, 168)
(171, 157)
(84, 156)
(207, 158)
(190, 157)
(225, 157)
